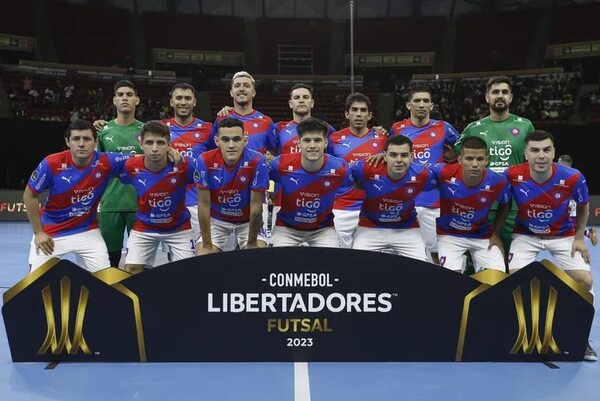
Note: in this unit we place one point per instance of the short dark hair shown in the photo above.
(300, 86)
(473, 142)
(230, 122)
(312, 124)
(156, 127)
(566, 158)
(398, 140)
(183, 86)
(500, 79)
(358, 97)
(538, 135)
(124, 83)
(418, 88)
(80, 125)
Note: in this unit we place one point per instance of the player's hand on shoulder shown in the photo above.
(379, 130)
(44, 243)
(225, 111)
(374, 160)
(99, 124)
(174, 156)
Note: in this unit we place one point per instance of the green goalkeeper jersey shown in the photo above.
(505, 140)
(119, 197)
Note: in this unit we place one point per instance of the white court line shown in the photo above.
(301, 382)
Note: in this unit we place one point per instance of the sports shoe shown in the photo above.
(590, 355)
(592, 235)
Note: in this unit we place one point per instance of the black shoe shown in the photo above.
(590, 354)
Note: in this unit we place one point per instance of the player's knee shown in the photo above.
(134, 269)
(586, 281)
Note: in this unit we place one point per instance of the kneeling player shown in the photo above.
(309, 181)
(230, 192)
(160, 186)
(75, 179)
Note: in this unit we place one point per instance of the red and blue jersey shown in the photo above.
(286, 135)
(259, 128)
(390, 203)
(345, 145)
(230, 187)
(544, 208)
(161, 195)
(307, 200)
(190, 141)
(428, 146)
(73, 191)
(464, 210)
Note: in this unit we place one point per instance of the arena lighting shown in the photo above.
(351, 4)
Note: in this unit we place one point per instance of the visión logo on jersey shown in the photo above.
(64, 341)
(535, 340)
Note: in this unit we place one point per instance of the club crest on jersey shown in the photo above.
(98, 175)
(243, 179)
(483, 199)
(326, 184)
(255, 125)
(557, 195)
(410, 190)
(173, 180)
(375, 144)
(197, 135)
(515, 131)
(432, 134)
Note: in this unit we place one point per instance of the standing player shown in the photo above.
(433, 142)
(259, 128)
(231, 190)
(161, 187)
(542, 191)
(121, 135)
(567, 160)
(467, 191)
(352, 144)
(504, 133)
(388, 219)
(75, 179)
(309, 182)
(189, 136)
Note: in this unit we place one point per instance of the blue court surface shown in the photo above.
(283, 381)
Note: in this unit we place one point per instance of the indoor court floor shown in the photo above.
(283, 381)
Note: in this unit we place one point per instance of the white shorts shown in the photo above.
(195, 223)
(221, 230)
(452, 248)
(405, 241)
(141, 246)
(345, 222)
(268, 228)
(525, 248)
(89, 247)
(321, 238)
(427, 221)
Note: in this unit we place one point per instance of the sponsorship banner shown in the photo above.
(296, 304)
(594, 219)
(12, 207)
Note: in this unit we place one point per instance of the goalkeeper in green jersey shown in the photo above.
(119, 203)
(505, 135)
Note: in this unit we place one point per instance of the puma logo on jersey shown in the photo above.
(484, 133)
(346, 144)
(525, 192)
(295, 180)
(219, 179)
(109, 138)
(66, 179)
(143, 182)
(379, 187)
(452, 190)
